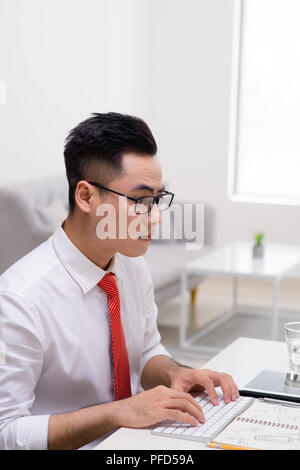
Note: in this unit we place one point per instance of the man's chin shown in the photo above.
(135, 248)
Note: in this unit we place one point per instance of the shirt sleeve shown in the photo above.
(152, 339)
(22, 346)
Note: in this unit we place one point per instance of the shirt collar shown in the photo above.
(86, 273)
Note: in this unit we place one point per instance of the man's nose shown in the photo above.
(154, 215)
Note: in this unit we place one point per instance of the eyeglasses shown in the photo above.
(144, 204)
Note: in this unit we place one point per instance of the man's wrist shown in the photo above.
(160, 370)
(113, 413)
(172, 369)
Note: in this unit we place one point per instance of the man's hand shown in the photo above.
(196, 380)
(155, 405)
(175, 403)
(166, 371)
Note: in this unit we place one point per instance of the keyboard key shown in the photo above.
(179, 430)
(189, 431)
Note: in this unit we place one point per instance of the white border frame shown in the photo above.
(232, 195)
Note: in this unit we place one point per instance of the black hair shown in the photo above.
(97, 145)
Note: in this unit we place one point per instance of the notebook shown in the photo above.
(263, 426)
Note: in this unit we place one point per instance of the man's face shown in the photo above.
(130, 234)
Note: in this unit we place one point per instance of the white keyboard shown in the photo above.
(217, 418)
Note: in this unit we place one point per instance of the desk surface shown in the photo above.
(243, 359)
(236, 259)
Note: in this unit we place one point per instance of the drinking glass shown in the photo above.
(292, 338)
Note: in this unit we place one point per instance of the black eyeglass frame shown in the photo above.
(155, 199)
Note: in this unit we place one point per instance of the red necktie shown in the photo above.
(120, 356)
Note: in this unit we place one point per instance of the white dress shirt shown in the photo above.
(56, 339)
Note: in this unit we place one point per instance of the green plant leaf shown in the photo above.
(258, 238)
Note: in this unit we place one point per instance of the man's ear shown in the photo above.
(85, 195)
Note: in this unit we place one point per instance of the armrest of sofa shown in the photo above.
(29, 213)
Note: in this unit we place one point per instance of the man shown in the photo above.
(78, 317)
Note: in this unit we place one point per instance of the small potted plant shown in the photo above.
(258, 247)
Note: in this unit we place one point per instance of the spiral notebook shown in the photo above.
(263, 426)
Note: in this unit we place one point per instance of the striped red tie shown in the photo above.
(120, 356)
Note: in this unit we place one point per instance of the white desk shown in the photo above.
(243, 359)
(236, 261)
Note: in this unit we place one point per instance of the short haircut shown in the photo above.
(96, 147)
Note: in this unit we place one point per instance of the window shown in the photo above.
(265, 106)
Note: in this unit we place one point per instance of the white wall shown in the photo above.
(168, 61)
(47, 49)
(62, 60)
(191, 97)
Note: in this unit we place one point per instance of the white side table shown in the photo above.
(236, 261)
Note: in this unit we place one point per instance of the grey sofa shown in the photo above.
(30, 211)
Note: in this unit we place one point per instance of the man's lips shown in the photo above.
(146, 238)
